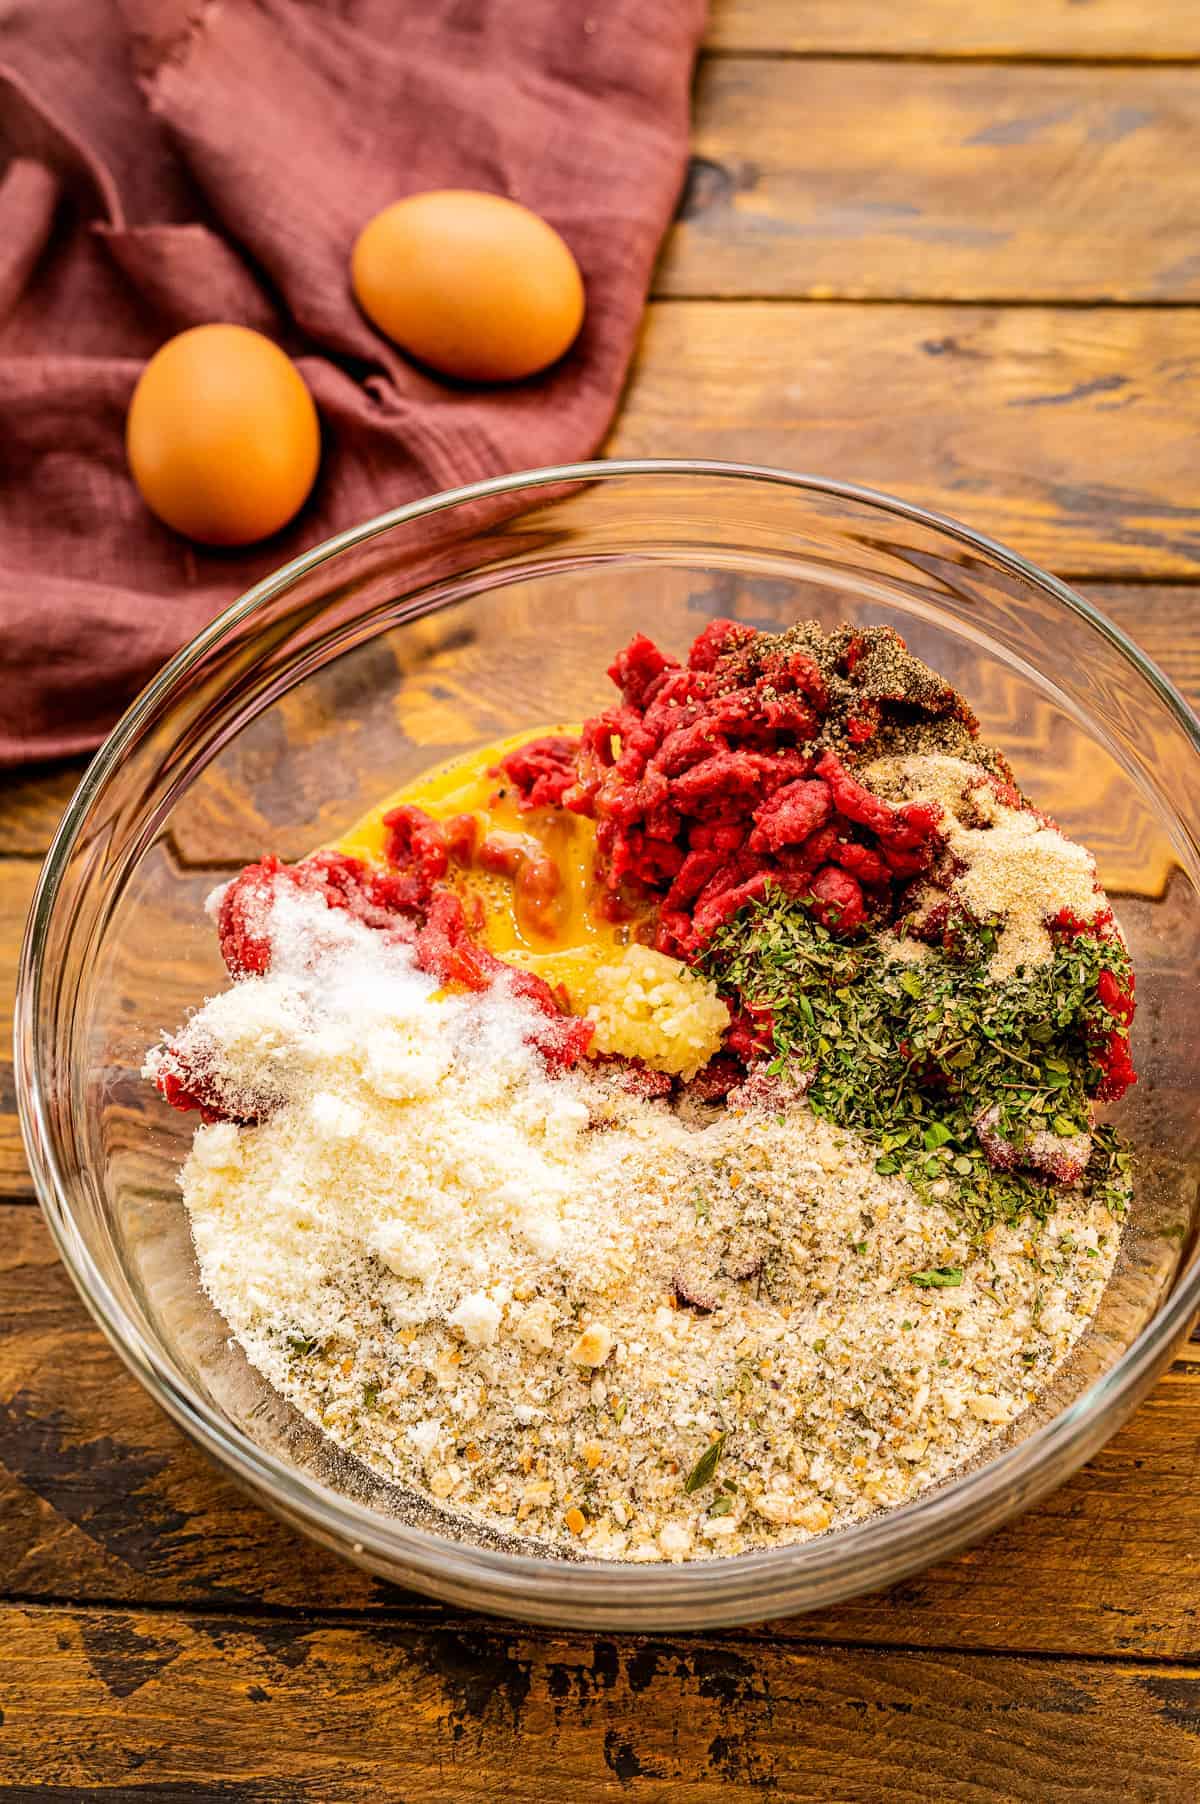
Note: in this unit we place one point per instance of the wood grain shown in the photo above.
(141, 1707)
(17, 880)
(32, 804)
(103, 1501)
(939, 182)
(1136, 30)
(1074, 436)
(1164, 623)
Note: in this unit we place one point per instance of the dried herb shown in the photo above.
(941, 1277)
(911, 1055)
(705, 1468)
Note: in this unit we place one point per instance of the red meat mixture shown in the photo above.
(713, 779)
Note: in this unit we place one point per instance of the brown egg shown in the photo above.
(471, 284)
(222, 435)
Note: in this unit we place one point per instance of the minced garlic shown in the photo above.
(654, 1008)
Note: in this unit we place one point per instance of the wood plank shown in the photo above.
(1163, 622)
(1072, 435)
(112, 1704)
(103, 1501)
(1137, 30)
(32, 804)
(99, 1495)
(17, 879)
(950, 181)
(939, 181)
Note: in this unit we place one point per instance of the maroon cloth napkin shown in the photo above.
(167, 162)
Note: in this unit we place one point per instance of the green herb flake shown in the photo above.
(722, 1507)
(939, 1277)
(705, 1468)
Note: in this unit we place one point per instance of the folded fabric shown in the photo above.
(168, 162)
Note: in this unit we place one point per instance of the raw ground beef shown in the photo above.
(709, 781)
(1115, 1006)
(541, 771)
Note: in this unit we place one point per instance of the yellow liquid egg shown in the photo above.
(581, 941)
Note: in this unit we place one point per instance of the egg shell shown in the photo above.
(471, 284)
(222, 435)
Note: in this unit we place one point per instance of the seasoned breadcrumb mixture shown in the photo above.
(571, 1312)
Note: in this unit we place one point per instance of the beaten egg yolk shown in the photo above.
(564, 939)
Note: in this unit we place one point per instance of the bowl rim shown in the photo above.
(587, 1593)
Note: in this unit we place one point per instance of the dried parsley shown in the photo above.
(940, 1277)
(705, 1468)
(912, 1057)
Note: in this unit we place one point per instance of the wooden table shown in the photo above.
(947, 248)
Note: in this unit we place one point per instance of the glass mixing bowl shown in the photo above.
(447, 624)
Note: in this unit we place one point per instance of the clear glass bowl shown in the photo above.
(447, 624)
